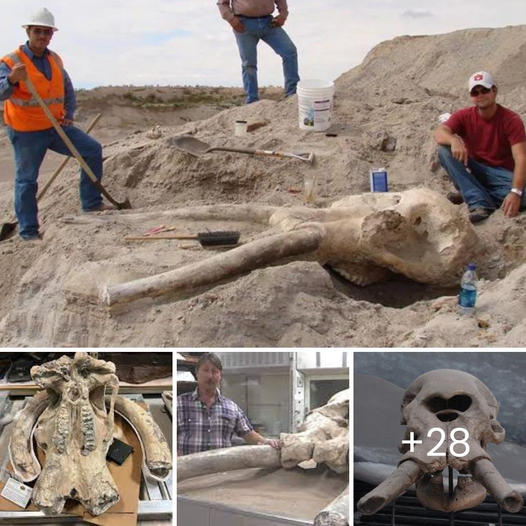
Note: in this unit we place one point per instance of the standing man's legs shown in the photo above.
(247, 44)
(280, 42)
(91, 151)
(30, 149)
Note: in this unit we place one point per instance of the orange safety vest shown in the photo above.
(21, 111)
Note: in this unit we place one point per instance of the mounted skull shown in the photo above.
(323, 438)
(74, 428)
(454, 415)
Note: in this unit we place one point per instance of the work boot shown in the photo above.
(100, 208)
(32, 239)
(455, 198)
(479, 214)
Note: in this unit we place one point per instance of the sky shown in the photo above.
(186, 42)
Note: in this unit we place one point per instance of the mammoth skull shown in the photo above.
(451, 416)
(323, 437)
(417, 233)
(72, 422)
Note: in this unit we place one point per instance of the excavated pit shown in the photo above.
(397, 292)
(51, 290)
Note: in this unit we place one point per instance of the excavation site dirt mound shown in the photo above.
(79, 285)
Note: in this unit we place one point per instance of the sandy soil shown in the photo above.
(385, 110)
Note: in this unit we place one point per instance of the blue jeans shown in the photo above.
(485, 187)
(30, 149)
(257, 29)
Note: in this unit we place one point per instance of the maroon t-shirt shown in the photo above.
(489, 141)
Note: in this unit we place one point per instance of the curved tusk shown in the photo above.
(21, 453)
(227, 459)
(157, 458)
(242, 259)
(336, 513)
(393, 486)
(487, 474)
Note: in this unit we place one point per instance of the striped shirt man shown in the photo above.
(200, 428)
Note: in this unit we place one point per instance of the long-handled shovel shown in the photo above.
(8, 229)
(73, 150)
(195, 147)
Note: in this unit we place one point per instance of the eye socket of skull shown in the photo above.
(448, 409)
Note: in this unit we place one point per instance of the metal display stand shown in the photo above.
(451, 516)
(406, 510)
(155, 498)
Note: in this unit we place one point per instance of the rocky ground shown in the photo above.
(384, 113)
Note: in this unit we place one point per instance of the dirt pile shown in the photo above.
(385, 110)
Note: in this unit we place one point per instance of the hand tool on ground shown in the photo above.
(251, 126)
(72, 149)
(159, 229)
(206, 239)
(8, 229)
(196, 148)
(155, 230)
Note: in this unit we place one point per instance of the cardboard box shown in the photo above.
(127, 478)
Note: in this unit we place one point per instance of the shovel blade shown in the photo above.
(191, 145)
(125, 205)
(7, 230)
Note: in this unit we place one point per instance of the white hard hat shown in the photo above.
(43, 17)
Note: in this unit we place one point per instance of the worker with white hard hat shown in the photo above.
(42, 18)
(30, 130)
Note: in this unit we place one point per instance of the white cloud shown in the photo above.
(186, 41)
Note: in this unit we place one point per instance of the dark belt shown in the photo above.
(254, 17)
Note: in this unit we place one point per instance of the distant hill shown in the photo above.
(440, 65)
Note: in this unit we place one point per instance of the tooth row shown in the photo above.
(87, 428)
(62, 430)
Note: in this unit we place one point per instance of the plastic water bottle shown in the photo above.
(468, 290)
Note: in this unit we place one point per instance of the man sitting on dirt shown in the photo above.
(206, 419)
(30, 131)
(252, 21)
(483, 150)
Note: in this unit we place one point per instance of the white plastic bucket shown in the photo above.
(315, 104)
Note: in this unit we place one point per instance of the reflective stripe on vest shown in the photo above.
(22, 111)
(33, 102)
(14, 58)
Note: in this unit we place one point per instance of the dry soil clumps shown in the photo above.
(384, 113)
